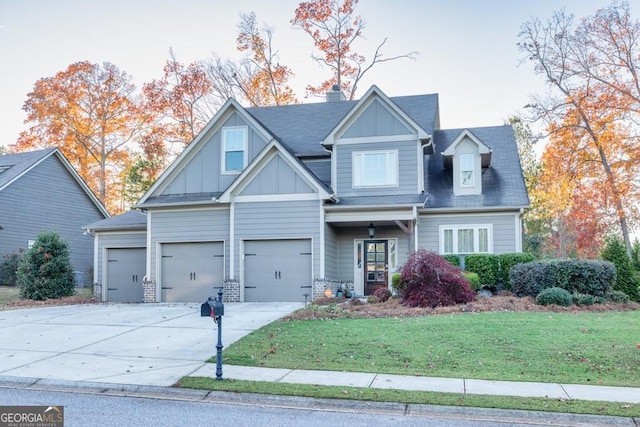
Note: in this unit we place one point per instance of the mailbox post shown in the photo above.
(216, 309)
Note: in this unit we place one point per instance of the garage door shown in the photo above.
(277, 270)
(125, 269)
(191, 271)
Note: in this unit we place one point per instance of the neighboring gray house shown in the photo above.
(277, 202)
(41, 191)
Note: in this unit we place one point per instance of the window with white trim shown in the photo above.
(375, 168)
(467, 170)
(234, 149)
(466, 239)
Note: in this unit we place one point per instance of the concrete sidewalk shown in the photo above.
(415, 383)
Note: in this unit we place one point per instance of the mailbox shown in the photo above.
(205, 308)
(217, 307)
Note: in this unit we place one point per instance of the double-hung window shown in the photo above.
(467, 170)
(375, 168)
(465, 239)
(234, 149)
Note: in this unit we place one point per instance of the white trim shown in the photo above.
(96, 258)
(223, 149)
(412, 137)
(165, 209)
(518, 232)
(416, 229)
(476, 240)
(358, 273)
(294, 197)
(232, 240)
(420, 160)
(149, 249)
(118, 232)
(368, 216)
(357, 159)
(322, 243)
(334, 171)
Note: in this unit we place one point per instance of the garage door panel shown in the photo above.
(125, 271)
(277, 270)
(191, 271)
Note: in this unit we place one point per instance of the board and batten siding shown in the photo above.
(196, 225)
(504, 229)
(48, 198)
(407, 168)
(278, 220)
(321, 169)
(115, 240)
(277, 177)
(376, 120)
(203, 173)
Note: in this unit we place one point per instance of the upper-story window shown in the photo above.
(467, 170)
(234, 149)
(375, 168)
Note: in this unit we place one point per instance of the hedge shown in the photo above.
(486, 266)
(576, 276)
(507, 261)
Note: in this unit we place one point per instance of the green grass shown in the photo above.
(12, 293)
(581, 348)
(414, 397)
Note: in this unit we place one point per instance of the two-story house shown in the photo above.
(277, 202)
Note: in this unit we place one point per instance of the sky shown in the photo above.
(467, 48)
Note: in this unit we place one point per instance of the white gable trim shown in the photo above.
(261, 160)
(192, 149)
(373, 93)
(482, 147)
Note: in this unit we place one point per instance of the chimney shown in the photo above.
(335, 94)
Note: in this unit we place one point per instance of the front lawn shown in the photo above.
(579, 348)
(10, 298)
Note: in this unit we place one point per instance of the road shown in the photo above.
(87, 409)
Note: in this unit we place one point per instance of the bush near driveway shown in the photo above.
(8, 267)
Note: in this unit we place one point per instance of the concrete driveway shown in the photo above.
(143, 344)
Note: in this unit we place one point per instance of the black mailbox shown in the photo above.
(217, 307)
(205, 308)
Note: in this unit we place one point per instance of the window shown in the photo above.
(375, 168)
(465, 239)
(234, 149)
(467, 168)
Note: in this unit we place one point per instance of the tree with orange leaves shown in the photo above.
(89, 111)
(593, 67)
(334, 29)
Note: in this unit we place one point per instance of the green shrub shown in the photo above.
(586, 299)
(555, 296)
(397, 284)
(452, 259)
(382, 294)
(9, 266)
(45, 270)
(576, 276)
(371, 299)
(473, 279)
(626, 280)
(507, 261)
(486, 266)
(616, 296)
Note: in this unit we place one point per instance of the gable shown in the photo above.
(277, 177)
(377, 120)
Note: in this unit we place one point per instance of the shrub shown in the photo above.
(45, 270)
(432, 281)
(473, 279)
(371, 299)
(397, 284)
(554, 295)
(452, 259)
(576, 276)
(586, 299)
(382, 294)
(626, 280)
(8, 267)
(616, 296)
(486, 266)
(507, 261)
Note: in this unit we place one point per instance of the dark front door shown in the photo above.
(376, 267)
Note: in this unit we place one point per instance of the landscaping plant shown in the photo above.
(626, 280)
(555, 296)
(8, 267)
(431, 281)
(45, 270)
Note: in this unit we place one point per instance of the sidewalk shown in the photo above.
(414, 383)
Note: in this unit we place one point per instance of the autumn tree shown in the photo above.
(334, 29)
(90, 112)
(592, 67)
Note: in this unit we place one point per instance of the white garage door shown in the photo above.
(277, 270)
(191, 271)
(125, 270)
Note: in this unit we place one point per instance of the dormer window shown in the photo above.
(467, 170)
(234, 149)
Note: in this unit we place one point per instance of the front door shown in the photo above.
(377, 265)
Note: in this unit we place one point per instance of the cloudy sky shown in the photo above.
(467, 48)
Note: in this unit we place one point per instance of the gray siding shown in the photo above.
(199, 225)
(376, 120)
(321, 169)
(278, 220)
(504, 231)
(105, 240)
(203, 174)
(277, 177)
(330, 253)
(48, 198)
(407, 168)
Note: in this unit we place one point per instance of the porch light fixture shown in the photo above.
(372, 230)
